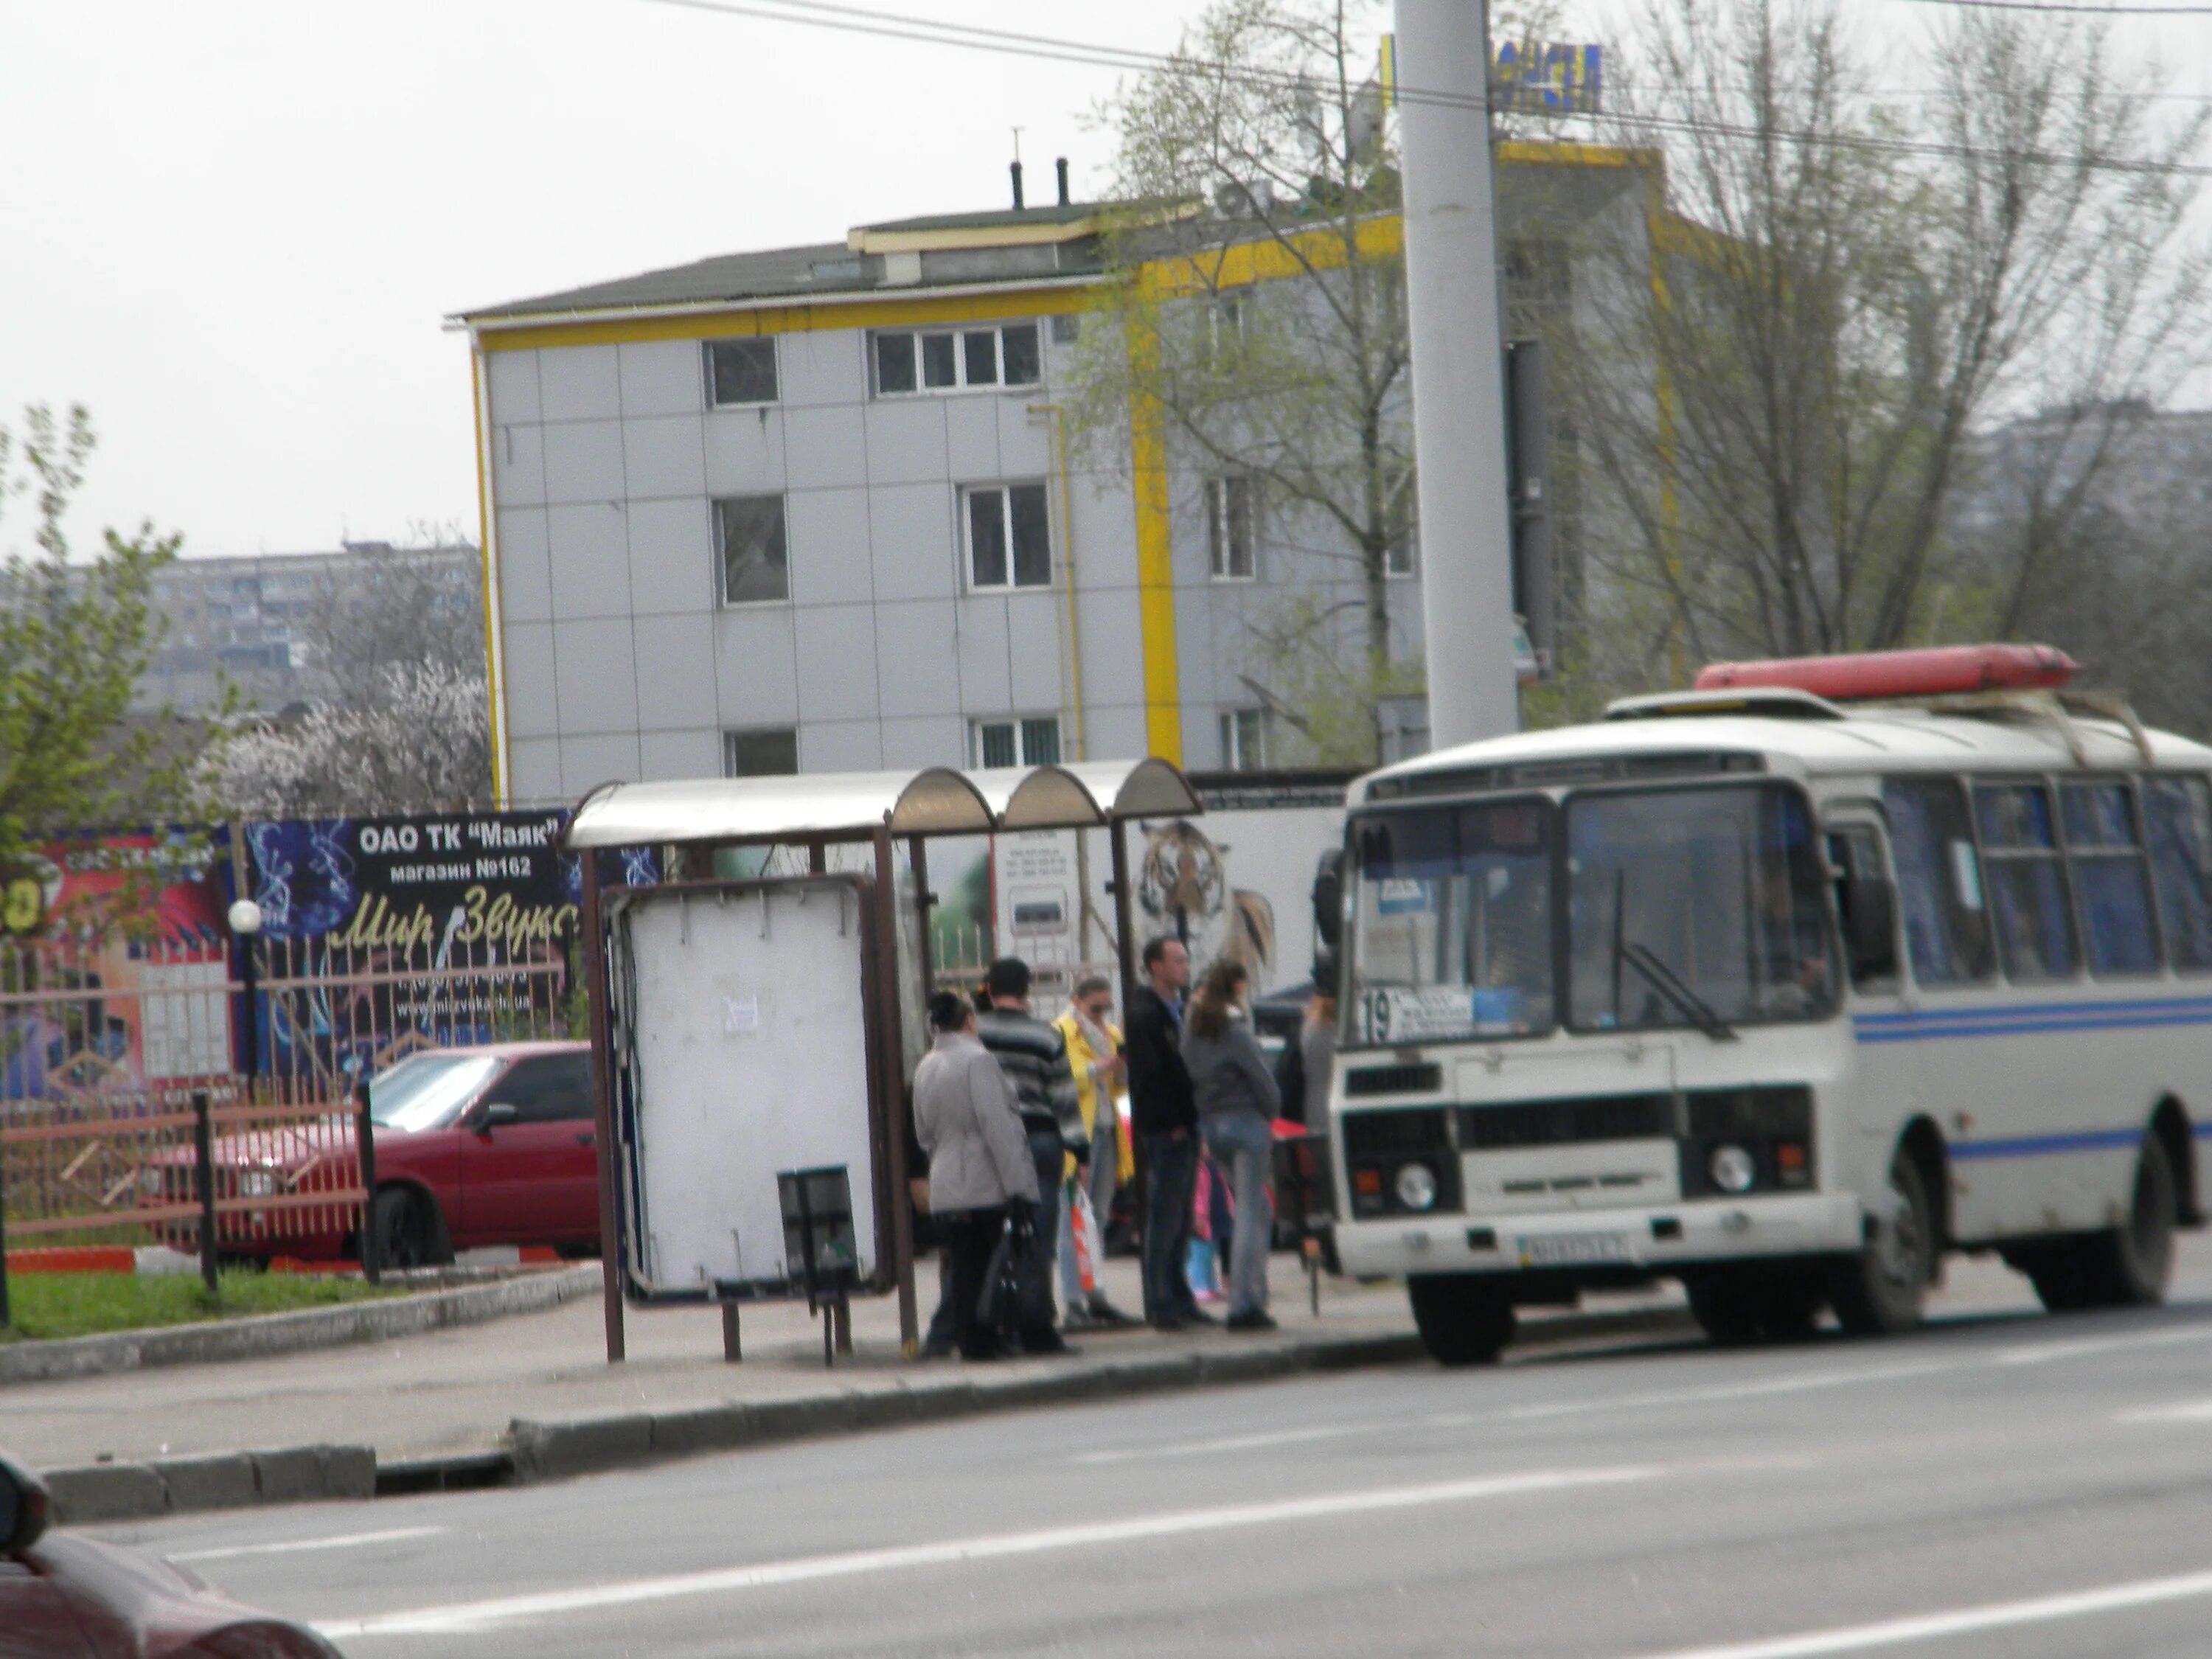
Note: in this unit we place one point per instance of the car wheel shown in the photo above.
(409, 1233)
(1880, 1291)
(1462, 1321)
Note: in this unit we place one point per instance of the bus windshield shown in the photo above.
(1700, 908)
(1452, 931)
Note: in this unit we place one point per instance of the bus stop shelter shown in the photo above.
(699, 818)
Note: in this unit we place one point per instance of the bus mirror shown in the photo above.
(1870, 926)
(1328, 898)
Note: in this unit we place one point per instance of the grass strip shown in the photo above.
(44, 1306)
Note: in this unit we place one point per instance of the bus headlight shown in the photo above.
(1416, 1184)
(1732, 1169)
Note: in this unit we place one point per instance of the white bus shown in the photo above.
(1779, 997)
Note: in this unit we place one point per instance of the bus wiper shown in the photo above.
(1665, 980)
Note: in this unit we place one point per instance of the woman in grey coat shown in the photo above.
(980, 1170)
(1237, 1104)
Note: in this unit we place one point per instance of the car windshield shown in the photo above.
(1452, 924)
(1700, 908)
(426, 1091)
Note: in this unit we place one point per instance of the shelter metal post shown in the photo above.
(603, 1116)
(894, 1093)
(1125, 932)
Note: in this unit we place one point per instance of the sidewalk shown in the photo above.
(456, 1391)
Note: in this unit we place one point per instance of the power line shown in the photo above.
(859, 19)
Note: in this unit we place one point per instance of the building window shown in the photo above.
(1226, 320)
(740, 372)
(909, 363)
(1398, 553)
(1243, 740)
(750, 541)
(1033, 741)
(1229, 528)
(764, 752)
(1009, 536)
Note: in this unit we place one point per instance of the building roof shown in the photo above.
(821, 267)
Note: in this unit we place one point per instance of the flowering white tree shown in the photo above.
(421, 739)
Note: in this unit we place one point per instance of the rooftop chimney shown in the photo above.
(1061, 167)
(1016, 169)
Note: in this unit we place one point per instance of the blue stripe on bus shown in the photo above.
(2030, 1018)
(2086, 1140)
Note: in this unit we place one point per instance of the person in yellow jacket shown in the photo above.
(1094, 1055)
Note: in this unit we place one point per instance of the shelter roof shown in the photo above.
(936, 800)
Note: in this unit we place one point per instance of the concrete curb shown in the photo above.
(133, 1491)
(268, 1335)
(556, 1449)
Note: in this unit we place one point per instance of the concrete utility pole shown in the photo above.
(1459, 420)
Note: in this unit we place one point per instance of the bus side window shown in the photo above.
(2179, 811)
(1855, 855)
(1939, 880)
(2112, 878)
(2027, 880)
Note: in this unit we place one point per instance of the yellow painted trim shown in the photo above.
(495, 679)
(1156, 596)
(909, 311)
(1569, 155)
(1268, 260)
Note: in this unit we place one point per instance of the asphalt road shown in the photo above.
(2017, 1487)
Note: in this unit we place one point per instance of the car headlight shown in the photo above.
(1732, 1169)
(1416, 1184)
(258, 1183)
(149, 1182)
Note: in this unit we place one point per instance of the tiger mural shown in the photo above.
(1184, 875)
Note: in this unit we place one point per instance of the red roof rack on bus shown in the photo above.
(1940, 671)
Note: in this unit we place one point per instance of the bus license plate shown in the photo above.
(1573, 1249)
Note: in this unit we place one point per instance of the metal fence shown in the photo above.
(108, 1043)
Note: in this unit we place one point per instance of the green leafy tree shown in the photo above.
(74, 635)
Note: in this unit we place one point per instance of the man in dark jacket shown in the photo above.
(1163, 1113)
(1033, 1056)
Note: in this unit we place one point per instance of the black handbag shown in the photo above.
(1017, 1292)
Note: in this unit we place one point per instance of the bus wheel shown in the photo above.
(1878, 1291)
(1462, 1321)
(2128, 1265)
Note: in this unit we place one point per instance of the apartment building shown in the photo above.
(814, 509)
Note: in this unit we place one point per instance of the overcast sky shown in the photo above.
(234, 227)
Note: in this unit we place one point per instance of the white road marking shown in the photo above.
(2192, 1411)
(469, 1617)
(2036, 1353)
(1967, 1621)
(1235, 1443)
(298, 1545)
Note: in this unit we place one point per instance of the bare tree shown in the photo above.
(1780, 400)
(1254, 331)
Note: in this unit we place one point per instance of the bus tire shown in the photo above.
(1881, 1291)
(2128, 1265)
(1462, 1320)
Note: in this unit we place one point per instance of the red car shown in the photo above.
(484, 1146)
(70, 1598)
(491, 1144)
